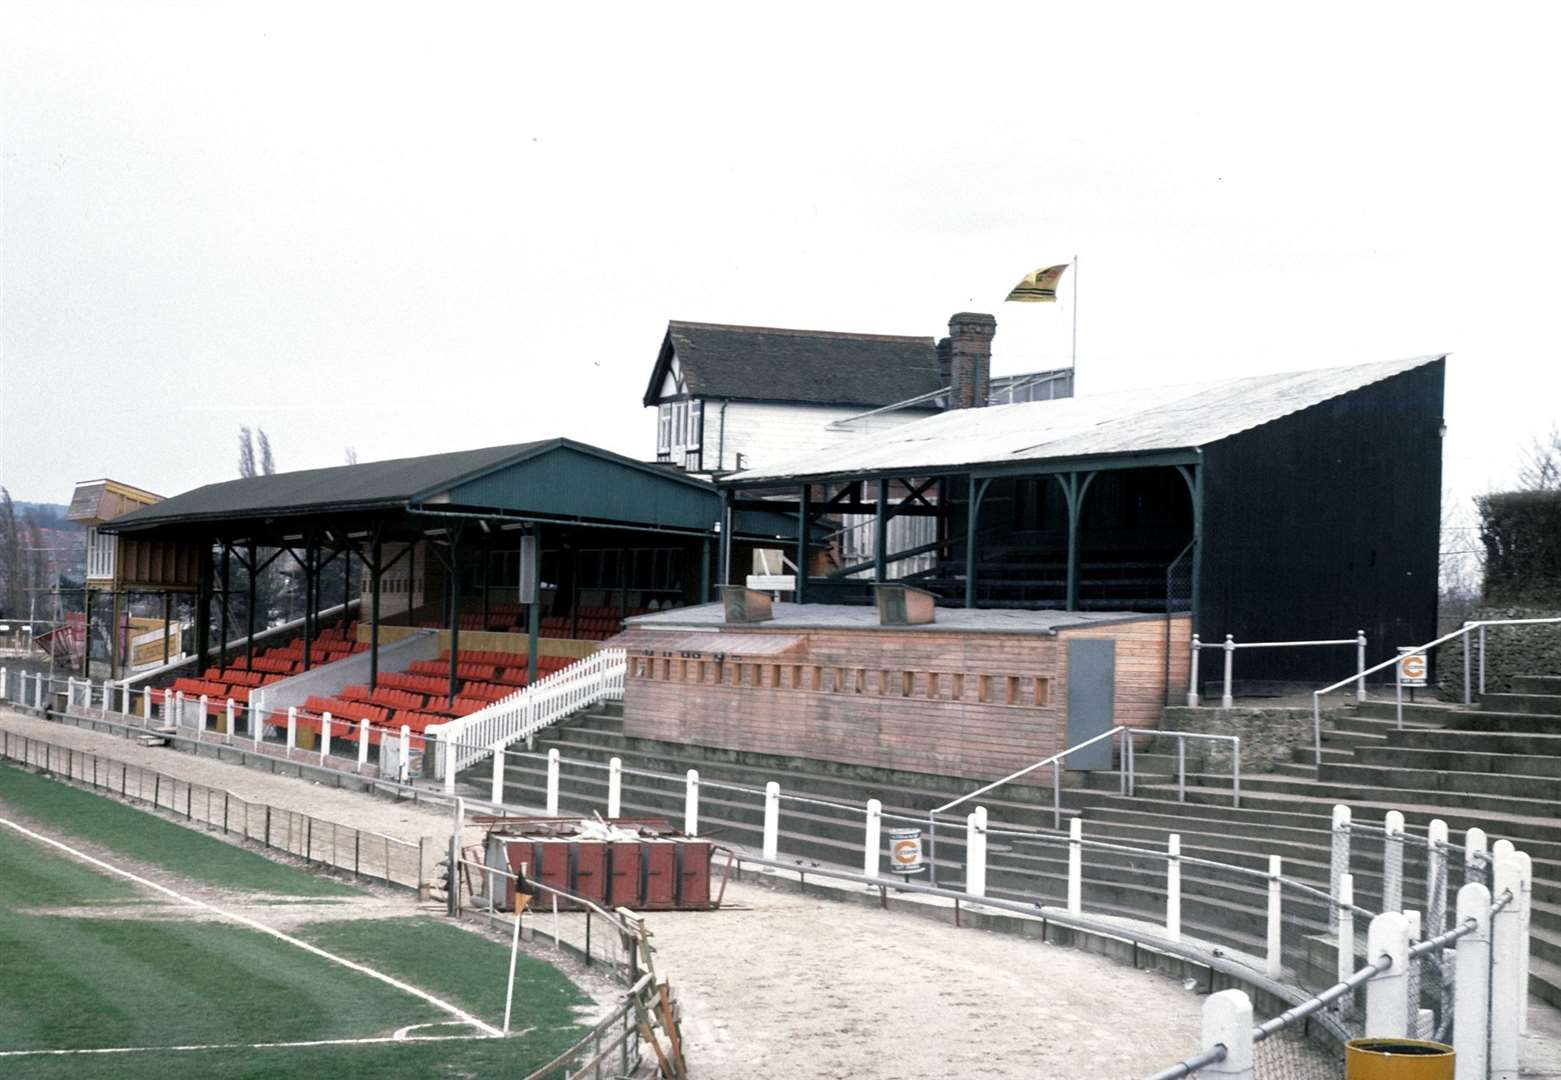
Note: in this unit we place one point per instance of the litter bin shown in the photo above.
(1397, 1059)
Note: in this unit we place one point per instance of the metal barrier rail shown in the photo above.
(1230, 645)
(1398, 681)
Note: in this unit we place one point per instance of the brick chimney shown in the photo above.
(970, 362)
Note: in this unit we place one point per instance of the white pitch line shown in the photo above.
(460, 1014)
(396, 1038)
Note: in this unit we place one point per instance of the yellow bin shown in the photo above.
(1397, 1059)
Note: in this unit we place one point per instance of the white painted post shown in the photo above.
(363, 743)
(1346, 935)
(230, 720)
(178, 708)
(1227, 1022)
(1192, 685)
(108, 695)
(975, 852)
(1472, 985)
(1075, 866)
(292, 728)
(872, 842)
(1526, 880)
(1467, 697)
(445, 749)
(1226, 700)
(1482, 659)
(691, 804)
(1339, 857)
(404, 765)
(1274, 961)
(2, 684)
(496, 794)
(1436, 878)
(1360, 665)
(552, 782)
(614, 787)
(146, 704)
(1474, 849)
(1173, 887)
(1508, 979)
(38, 690)
(200, 719)
(325, 736)
(1393, 862)
(1387, 995)
(771, 820)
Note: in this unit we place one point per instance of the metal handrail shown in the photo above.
(1393, 661)
(1230, 645)
(1055, 761)
(1181, 738)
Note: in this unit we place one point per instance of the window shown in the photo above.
(100, 555)
(679, 423)
(664, 429)
(691, 438)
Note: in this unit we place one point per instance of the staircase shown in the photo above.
(1495, 765)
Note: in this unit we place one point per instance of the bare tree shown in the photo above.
(246, 453)
(1540, 469)
(352, 455)
(13, 570)
(38, 571)
(267, 465)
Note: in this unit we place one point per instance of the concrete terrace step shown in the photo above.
(1462, 760)
(1466, 785)
(1536, 684)
(1538, 704)
(1496, 742)
(794, 781)
(1435, 801)
(1370, 806)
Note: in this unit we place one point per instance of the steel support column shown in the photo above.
(249, 619)
(1193, 477)
(724, 571)
(113, 638)
(452, 579)
(227, 581)
(534, 610)
(1074, 491)
(167, 624)
(975, 493)
(881, 534)
(376, 569)
(804, 517)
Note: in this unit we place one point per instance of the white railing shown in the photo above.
(1421, 651)
(470, 739)
(1230, 645)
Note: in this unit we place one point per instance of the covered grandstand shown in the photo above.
(1274, 507)
(508, 562)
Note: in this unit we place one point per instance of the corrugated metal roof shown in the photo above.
(1131, 421)
(395, 483)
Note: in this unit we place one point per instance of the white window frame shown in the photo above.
(664, 428)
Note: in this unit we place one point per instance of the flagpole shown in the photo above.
(1074, 360)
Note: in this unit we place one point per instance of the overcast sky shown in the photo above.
(425, 228)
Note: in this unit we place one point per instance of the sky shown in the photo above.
(408, 229)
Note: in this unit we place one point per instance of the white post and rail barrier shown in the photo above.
(1230, 645)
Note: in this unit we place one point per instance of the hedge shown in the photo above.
(1521, 532)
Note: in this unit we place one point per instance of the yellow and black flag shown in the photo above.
(1039, 286)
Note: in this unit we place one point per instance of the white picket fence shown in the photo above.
(470, 739)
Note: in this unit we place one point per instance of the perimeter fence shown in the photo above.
(319, 841)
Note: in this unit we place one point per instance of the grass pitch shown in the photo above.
(91, 961)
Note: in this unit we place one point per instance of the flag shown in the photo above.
(1039, 286)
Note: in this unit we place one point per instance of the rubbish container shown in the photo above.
(1397, 1059)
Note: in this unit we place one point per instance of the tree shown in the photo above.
(1540, 469)
(38, 576)
(13, 567)
(246, 453)
(267, 466)
(352, 455)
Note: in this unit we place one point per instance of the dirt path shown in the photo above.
(788, 985)
(779, 984)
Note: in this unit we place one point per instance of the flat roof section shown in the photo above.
(712, 618)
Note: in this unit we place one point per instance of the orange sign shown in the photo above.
(1412, 669)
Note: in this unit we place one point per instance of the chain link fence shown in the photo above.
(369, 855)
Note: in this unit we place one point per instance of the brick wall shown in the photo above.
(974, 705)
